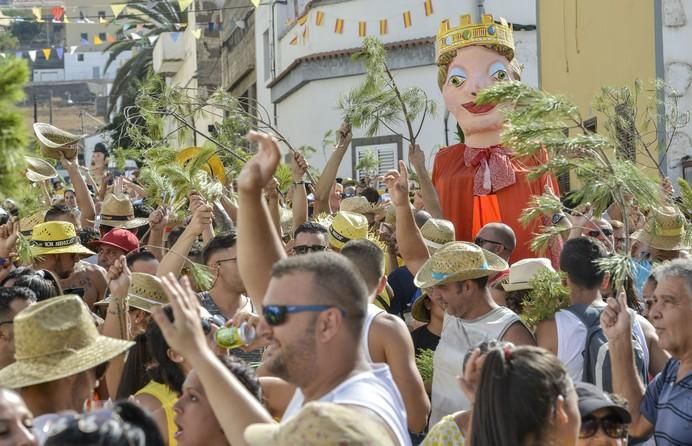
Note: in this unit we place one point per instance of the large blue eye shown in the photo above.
(456, 77)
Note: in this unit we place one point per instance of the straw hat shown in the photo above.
(664, 229)
(521, 273)
(26, 224)
(213, 166)
(418, 310)
(359, 205)
(117, 212)
(347, 226)
(38, 170)
(56, 237)
(456, 262)
(321, 424)
(55, 339)
(55, 142)
(145, 293)
(436, 232)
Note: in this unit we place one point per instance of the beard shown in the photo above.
(294, 362)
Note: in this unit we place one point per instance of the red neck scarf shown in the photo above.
(494, 169)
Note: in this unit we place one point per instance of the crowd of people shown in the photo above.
(347, 312)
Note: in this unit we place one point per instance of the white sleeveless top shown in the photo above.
(459, 336)
(373, 310)
(571, 340)
(374, 390)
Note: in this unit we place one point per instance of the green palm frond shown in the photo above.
(424, 363)
(284, 176)
(547, 296)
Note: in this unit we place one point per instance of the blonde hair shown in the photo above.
(446, 59)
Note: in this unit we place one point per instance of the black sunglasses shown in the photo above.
(276, 314)
(612, 425)
(594, 234)
(480, 241)
(304, 249)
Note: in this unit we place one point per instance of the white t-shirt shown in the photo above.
(374, 390)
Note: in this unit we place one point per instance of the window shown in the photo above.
(266, 46)
(102, 15)
(84, 37)
(80, 57)
(96, 72)
(102, 36)
(375, 156)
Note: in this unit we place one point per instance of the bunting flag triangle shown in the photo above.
(97, 40)
(46, 53)
(84, 41)
(135, 36)
(126, 26)
(60, 51)
(37, 13)
(184, 4)
(152, 39)
(110, 38)
(102, 20)
(177, 26)
(57, 12)
(65, 20)
(197, 33)
(175, 36)
(72, 49)
(117, 8)
(18, 54)
(255, 3)
(428, 8)
(32, 55)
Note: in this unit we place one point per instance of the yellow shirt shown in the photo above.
(444, 433)
(167, 397)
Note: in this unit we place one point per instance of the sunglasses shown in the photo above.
(594, 234)
(481, 241)
(276, 314)
(304, 249)
(611, 425)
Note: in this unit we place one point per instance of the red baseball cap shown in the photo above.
(118, 238)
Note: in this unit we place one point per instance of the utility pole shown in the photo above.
(50, 108)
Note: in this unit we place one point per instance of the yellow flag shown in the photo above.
(46, 53)
(37, 13)
(255, 3)
(117, 8)
(184, 4)
(97, 40)
(197, 33)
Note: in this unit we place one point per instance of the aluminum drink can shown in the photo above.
(234, 337)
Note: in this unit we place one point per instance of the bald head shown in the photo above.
(497, 238)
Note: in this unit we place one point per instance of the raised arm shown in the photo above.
(430, 199)
(174, 260)
(411, 244)
(326, 181)
(116, 322)
(300, 197)
(157, 222)
(259, 244)
(235, 408)
(84, 201)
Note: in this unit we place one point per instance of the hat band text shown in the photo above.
(55, 243)
(338, 236)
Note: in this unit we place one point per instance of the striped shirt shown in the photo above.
(667, 405)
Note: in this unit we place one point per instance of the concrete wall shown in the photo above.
(307, 110)
(677, 60)
(92, 66)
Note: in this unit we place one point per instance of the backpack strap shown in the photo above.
(587, 314)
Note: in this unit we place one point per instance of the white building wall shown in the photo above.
(92, 65)
(306, 114)
(677, 59)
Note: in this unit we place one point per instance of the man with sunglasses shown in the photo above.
(603, 422)
(497, 238)
(596, 228)
(310, 237)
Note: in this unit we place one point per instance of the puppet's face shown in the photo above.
(473, 69)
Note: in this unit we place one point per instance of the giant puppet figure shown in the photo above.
(480, 181)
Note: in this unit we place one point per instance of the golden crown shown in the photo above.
(487, 33)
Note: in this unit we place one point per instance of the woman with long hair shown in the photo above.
(524, 398)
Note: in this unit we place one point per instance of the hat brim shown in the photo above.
(125, 224)
(29, 372)
(660, 242)
(517, 286)
(135, 301)
(96, 244)
(37, 177)
(587, 406)
(418, 310)
(424, 277)
(261, 434)
(37, 251)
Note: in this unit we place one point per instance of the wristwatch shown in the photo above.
(557, 218)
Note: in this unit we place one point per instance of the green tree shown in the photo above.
(8, 41)
(14, 73)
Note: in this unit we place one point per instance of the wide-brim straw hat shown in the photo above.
(437, 232)
(27, 224)
(213, 166)
(522, 272)
(54, 141)
(55, 339)
(418, 310)
(347, 226)
(39, 170)
(117, 212)
(145, 293)
(56, 237)
(664, 230)
(456, 262)
(359, 205)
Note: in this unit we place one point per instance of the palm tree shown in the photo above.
(153, 18)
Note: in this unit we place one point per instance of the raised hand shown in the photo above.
(397, 185)
(119, 278)
(416, 156)
(299, 166)
(68, 165)
(159, 218)
(9, 233)
(271, 190)
(184, 334)
(344, 135)
(616, 321)
(259, 169)
(201, 218)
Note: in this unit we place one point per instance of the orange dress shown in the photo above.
(454, 182)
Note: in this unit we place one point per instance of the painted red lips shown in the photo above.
(476, 109)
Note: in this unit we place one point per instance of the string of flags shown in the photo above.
(362, 27)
